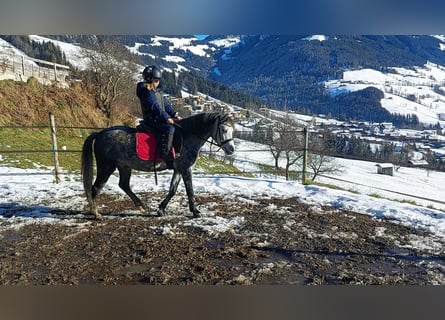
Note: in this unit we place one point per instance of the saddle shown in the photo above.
(147, 144)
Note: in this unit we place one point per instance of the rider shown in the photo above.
(156, 111)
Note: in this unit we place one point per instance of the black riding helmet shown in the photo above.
(151, 72)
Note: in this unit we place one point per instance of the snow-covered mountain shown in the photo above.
(419, 90)
(303, 73)
(181, 46)
(73, 52)
(181, 53)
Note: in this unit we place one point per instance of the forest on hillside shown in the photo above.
(287, 72)
(44, 51)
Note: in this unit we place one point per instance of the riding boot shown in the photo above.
(166, 152)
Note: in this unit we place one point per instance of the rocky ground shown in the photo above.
(264, 241)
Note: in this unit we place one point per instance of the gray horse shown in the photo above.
(115, 147)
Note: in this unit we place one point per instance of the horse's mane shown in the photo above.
(200, 123)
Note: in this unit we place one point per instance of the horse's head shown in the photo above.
(223, 134)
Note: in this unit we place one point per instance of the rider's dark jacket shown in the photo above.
(154, 106)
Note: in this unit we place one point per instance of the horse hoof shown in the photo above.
(197, 214)
(98, 216)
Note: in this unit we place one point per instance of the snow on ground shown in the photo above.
(40, 194)
(415, 185)
(32, 196)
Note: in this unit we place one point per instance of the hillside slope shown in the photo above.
(30, 104)
(25, 138)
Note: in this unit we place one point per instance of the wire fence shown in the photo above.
(257, 173)
(55, 150)
(261, 169)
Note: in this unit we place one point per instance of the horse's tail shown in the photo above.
(87, 166)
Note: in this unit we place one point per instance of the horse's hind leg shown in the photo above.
(173, 188)
(124, 184)
(103, 174)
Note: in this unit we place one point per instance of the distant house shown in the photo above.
(385, 168)
(421, 162)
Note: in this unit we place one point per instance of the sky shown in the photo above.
(201, 36)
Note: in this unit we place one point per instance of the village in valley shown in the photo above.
(423, 144)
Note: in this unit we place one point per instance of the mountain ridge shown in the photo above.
(290, 71)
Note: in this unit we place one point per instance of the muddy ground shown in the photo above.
(275, 241)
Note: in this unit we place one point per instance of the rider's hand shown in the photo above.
(170, 121)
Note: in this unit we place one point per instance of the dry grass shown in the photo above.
(29, 104)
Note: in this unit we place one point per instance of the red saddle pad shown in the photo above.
(146, 148)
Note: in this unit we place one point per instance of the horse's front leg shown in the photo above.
(176, 178)
(187, 177)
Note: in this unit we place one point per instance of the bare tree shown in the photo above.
(319, 162)
(286, 143)
(323, 164)
(275, 147)
(111, 75)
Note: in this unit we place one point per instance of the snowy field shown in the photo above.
(408, 184)
(40, 195)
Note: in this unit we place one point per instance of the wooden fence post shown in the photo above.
(23, 65)
(54, 140)
(306, 143)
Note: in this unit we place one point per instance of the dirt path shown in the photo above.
(271, 241)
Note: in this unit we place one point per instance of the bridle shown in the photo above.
(218, 135)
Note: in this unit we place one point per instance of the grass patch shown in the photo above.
(327, 185)
(36, 149)
(409, 202)
(267, 169)
(376, 195)
(215, 166)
